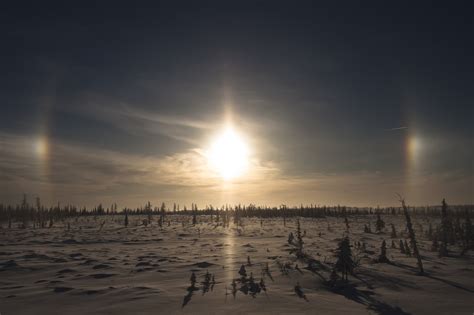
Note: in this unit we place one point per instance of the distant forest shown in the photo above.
(27, 213)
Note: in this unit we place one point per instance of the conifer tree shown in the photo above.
(243, 271)
(333, 277)
(344, 262)
(160, 221)
(411, 233)
(468, 238)
(262, 284)
(379, 224)
(430, 232)
(194, 218)
(193, 280)
(291, 238)
(443, 249)
(162, 213)
(435, 244)
(458, 233)
(299, 239)
(394, 232)
(407, 248)
(468, 230)
(383, 253)
(402, 247)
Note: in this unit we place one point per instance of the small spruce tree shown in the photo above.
(291, 238)
(402, 247)
(383, 253)
(430, 232)
(194, 218)
(435, 243)
(299, 239)
(379, 224)
(243, 271)
(412, 236)
(468, 234)
(344, 262)
(407, 248)
(333, 277)
(443, 249)
(193, 280)
(394, 232)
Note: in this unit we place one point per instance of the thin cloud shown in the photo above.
(165, 119)
(135, 120)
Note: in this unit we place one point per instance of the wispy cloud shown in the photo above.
(137, 120)
(164, 119)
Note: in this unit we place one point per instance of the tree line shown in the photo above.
(36, 213)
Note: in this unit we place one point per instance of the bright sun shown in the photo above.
(228, 154)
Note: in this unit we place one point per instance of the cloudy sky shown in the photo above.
(337, 104)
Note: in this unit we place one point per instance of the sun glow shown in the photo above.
(229, 154)
(41, 147)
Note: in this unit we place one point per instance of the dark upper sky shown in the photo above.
(340, 102)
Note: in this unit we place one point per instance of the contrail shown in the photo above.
(397, 128)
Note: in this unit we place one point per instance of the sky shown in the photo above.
(338, 103)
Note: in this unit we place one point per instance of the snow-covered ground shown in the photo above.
(147, 269)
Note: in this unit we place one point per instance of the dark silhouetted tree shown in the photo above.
(443, 249)
(243, 271)
(383, 253)
(344, 263)
(435, 243)
(411, 233)
(429, 234)
(299, 239)
(291, 238)
(468, 238)
(402, 247)
(407, 248)
(379, 224)
(394, 232)
(333, 277)
(367, 229)
(194, 218)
